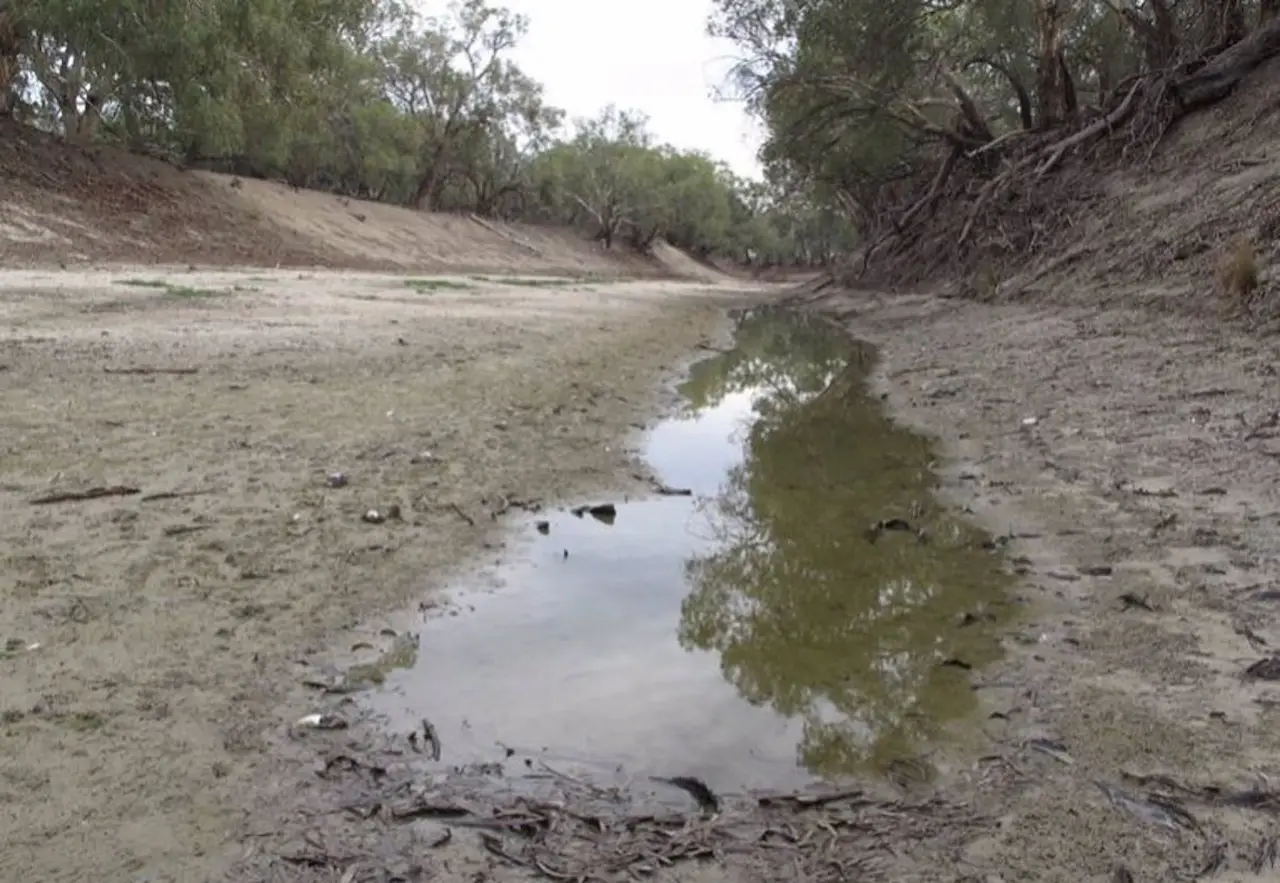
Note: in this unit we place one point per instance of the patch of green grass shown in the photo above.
(179, 290)
(543, 281)
(82, 721)
(437, 285)
(524, 282)
(187, 291)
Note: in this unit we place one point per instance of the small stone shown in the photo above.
(337, 479)
(373, 516)
(543, 527)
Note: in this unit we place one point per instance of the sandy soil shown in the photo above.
(1131, 460)
(392, 236)
(146, 640)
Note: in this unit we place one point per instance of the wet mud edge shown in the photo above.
(370, 813)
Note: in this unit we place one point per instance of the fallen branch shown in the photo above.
(174, 495)
(93, 493)
(998, 143)
(944, 171)
(463, 515)
(150, 370)
(1088, 133)
(177, 530)
(1219, 78)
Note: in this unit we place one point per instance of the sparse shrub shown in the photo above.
(1238, 272)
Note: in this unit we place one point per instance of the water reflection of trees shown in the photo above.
(806, 614)
(789, 358)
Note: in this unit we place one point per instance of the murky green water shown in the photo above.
(756, 633)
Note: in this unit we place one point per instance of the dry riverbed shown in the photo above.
(172, 539)
(1127, 463)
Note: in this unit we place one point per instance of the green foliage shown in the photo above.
(370, 99)
(862, 100)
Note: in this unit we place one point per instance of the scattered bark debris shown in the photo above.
(1051, 748)
(461, 514)
(1265, 669)
(506, 504)
(1165, 789)
(150, 370)
(177, 495)
(1255, 640)
(604, 512)
(812, 801)
(666, 490)
(338, 762)
(1140, 491)
(697, 789)
(564, 828)
(93, 493)
(429, 743)
(1130, 600)
(177, 530)
(1154, 810)
(1259, 429)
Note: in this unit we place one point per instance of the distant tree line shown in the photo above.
(372, 100)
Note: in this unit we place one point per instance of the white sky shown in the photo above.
(652, 56)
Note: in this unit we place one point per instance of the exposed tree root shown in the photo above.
(1011, 194)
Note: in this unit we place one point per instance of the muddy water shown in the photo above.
(754, 633)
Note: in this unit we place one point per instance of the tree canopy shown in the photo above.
(372, 99)
(887, 111)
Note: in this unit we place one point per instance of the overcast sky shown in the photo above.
(652, 56)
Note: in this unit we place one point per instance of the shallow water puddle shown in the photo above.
(757, 633)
